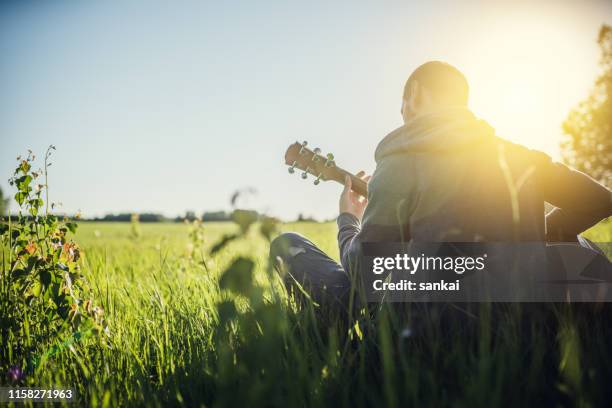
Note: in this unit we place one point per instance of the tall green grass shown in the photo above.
(171, 344)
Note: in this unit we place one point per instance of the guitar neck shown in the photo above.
(357, 185)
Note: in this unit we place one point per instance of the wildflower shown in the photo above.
(71, 250)
(31, 247)
(15, 374)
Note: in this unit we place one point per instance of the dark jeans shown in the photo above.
(308, 271)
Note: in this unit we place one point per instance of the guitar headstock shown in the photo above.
(312, 162)
(322, 167)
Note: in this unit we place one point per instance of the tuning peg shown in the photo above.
(305, 173)
(315, 156)
(330, 156)
(292, 168)
(318, 180)
(330, 160)
(303, 148)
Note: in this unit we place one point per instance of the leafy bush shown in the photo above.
(44, 294)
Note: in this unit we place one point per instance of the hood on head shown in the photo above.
(450, 129)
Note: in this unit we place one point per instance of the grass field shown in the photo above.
(175, 338)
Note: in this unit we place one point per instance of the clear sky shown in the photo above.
(171, 106)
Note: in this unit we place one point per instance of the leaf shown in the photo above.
(358, 330)
(227, 311)
(19, 273)
(45, 277)
(244, 219)
(20, 198)
(51, 219)
(238, 278)
(222, 243)
(36, 289)
(268, 227)
(23, 182)
(72, 226)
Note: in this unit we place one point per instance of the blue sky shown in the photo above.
(171, 106)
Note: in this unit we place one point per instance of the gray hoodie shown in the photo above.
(446, 177)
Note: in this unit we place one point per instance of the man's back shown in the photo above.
(481, 192)
(448, 178)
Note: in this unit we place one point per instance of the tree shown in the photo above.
(216, 216)
(4, 203)
(588, 127)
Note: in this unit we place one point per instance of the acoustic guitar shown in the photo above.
(323, 168)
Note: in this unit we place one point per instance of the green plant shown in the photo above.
(195, 247)
(3, 204)
(43, 292)
(135, 232)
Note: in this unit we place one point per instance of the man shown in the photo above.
(445, 177)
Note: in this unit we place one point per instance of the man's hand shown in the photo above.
(351, 202)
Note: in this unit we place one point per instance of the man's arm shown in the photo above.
(352, 207)
(581, 201)
(349, 227)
